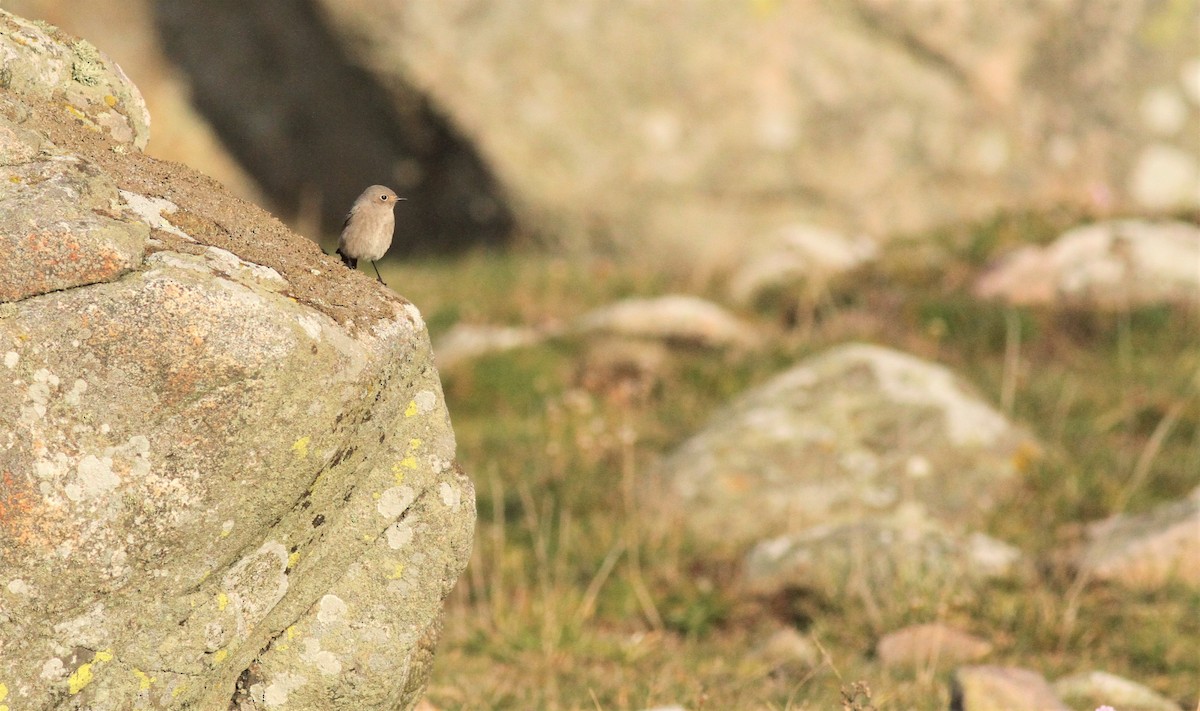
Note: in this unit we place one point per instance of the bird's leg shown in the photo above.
(377, 275)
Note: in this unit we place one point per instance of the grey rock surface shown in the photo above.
(686, 126)
(228, 473)
(859, 431)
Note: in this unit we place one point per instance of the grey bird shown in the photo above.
(367, 231)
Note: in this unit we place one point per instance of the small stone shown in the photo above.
(929, 645)
(676, 320)
(788, 649)
(1090, 689)
(1147, 550)
(992, 688)
(465, 342)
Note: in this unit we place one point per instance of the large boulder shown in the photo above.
(688, 125)
(857, 432)
(228, 474)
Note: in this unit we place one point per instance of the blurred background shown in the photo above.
(623, 214)
(654, 125)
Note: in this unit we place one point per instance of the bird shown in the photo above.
(367, 231)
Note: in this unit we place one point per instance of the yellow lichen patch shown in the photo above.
(397, 571)
(290, 632)
(110, 100)
(220, 655)
(222, 601)
(300, 447)
(409, 461)
(411, 409)
(83, 676)
(79, 678)
(293, 559)
(178, 690)
(3, 692)
(144, 679)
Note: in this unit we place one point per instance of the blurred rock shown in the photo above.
(930, 645)
(885, 557)
(991, 688)
(227, 474)
(859, 431)
(295, 98)
(124, 30)
(799, 256)
(788, 650)
(1146, 550)
(624, 370)
(464, 342)
(674, 127)
(1091, 689)
(1107, 265)
(676, 320)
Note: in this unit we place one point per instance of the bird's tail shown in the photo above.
(348, 261)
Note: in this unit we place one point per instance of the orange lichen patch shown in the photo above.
(15, 501)
(23, 518)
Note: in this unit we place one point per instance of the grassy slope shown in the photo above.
(571, 603)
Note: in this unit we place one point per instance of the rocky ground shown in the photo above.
(886, 485)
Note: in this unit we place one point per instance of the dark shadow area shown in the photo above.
(314, 129)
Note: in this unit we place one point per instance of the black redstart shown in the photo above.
(367, 231)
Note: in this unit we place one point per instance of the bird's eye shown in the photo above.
(383, 197)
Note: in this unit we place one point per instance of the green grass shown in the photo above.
(572, 600)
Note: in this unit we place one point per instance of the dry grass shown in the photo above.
(572, 601)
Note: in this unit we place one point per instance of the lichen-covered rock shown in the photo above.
(227, 474)
(81, 81)
(857, 431)
(60, 227)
